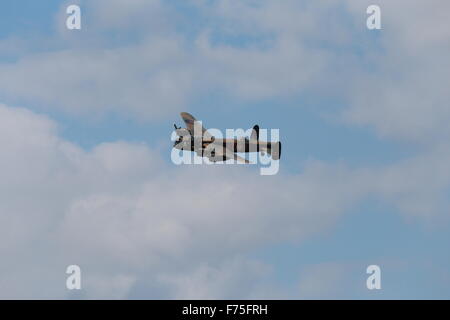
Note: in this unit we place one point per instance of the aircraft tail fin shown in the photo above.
(255, 134)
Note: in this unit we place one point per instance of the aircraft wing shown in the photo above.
(240, 159)
(195, 126)
(221, 152)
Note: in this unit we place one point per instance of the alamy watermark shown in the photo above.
(374, 280)
(74, 279)
(236, 146)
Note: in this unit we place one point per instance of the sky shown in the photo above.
(87, 178)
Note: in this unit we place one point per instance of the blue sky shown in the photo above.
(362, 117)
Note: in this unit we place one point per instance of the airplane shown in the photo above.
(196, 138)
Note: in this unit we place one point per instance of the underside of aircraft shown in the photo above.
(197, 139)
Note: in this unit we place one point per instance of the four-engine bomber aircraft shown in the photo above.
(196, 138)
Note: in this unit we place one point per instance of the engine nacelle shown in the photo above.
(182, 132)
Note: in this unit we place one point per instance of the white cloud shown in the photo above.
(142, 78)
(395, 82)
(123, 215)
(235, 278)
(120, 213)
(325, 280)
(127, 218)
(156, 72)
(406, 95)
